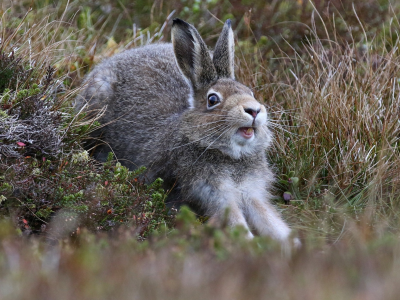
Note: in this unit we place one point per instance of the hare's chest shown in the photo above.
(252, 187)
(248, 187)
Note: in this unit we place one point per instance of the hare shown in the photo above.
(178, 110)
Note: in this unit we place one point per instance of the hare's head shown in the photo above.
(224, 114)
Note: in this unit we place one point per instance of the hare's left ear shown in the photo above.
(192, 55)
(223, 57)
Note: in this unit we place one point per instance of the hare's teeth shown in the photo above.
(249, 130)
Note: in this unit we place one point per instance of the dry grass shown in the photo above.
(179, 268)
(332, 87)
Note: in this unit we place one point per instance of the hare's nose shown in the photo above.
(252, 112)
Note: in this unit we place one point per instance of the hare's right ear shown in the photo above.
(223, 58)
(192, 55)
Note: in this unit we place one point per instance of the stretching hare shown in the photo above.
(177, 109)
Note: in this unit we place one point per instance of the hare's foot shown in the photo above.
(267, 221)
(232, 216)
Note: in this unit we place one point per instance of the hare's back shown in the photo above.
(142, 89)
(146, 78)
(149, 78)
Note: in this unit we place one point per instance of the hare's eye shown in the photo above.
(213, 100)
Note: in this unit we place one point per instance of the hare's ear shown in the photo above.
(192, 55)
(223, 58)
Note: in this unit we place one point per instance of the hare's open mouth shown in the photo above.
(246, 132)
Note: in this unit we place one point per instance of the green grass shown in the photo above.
(74, 228)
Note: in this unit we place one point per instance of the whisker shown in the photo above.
(214, 115)
(204, 137)
(287, 126)
(215, 128)
(201, 125)
(272, 111)
(211, 144)
(280, 128)
(275, 125)
(277, 120)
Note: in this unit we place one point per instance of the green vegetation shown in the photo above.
(71, 227)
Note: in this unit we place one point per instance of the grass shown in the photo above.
(74, 228)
